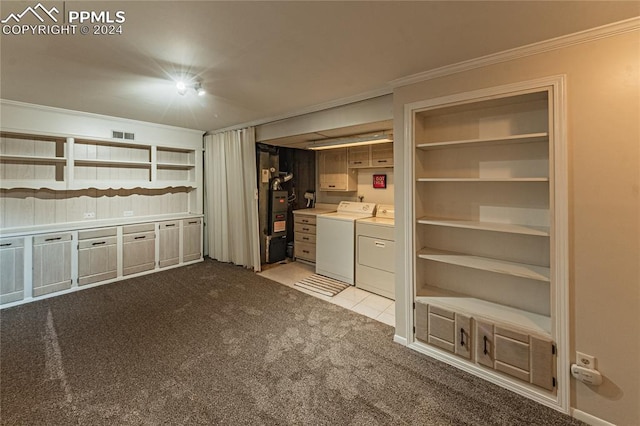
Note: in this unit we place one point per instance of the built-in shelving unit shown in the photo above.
(485, 231)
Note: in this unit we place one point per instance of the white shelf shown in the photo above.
(539, 324)
(542, 231)
(178, 166)
(524, 179)
(32, 159)
(529, 137)
(111, 163)
(33, 184)
(539, 273)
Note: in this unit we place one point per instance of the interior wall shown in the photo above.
(603, 106)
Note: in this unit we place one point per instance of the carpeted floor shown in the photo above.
(213, 343)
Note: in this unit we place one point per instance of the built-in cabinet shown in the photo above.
(487, 232)
(304, 226)
(89, 199)
(334, 172)
(375, 155)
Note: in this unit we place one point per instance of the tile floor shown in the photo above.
(360, 301)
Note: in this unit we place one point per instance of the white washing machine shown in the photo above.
(376, 252)
(335, 240)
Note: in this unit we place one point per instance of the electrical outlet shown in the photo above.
(128, 213)
(89, 215)
(584, 360)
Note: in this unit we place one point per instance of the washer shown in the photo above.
(335, 240)
(375, 252)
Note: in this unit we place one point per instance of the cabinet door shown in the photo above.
(51, 263)
(169, 243)
(512, 353)
(382, 155)
(485, 349)
(333, 171)
(12, 267)
(464, 342)
(97, 260)
(192, 239)
(543, 361)
(359, 156)
(441, 328)
(138, 252)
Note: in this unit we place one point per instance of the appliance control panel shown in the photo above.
(355, 207)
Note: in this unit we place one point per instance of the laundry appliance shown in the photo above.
(375, 252)
(335, 240)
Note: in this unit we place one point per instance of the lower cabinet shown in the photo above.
(97, 255)
(12, 269)
(527, 357)
(192, 239)
(138, 248)
(169, 243)
(36, 265)
(51, 263)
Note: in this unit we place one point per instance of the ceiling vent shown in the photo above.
(116, 134)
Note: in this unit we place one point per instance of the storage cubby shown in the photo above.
(483, 230)
(28, 160)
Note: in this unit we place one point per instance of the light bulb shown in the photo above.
(201, 91)
(182, 88)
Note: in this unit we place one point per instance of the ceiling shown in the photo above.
(262, 60)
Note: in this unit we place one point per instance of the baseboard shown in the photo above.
(400, 339)
(589, 419)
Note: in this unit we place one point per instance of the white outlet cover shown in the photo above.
(89, 215)
(128, 213)
(584, 360)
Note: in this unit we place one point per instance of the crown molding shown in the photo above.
(561, 42)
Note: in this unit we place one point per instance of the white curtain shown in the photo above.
(231, 202)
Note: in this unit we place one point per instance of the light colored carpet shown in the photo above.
(216, 344)
(323, 285)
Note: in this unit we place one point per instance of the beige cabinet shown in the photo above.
(139, 248)
(304, 231)
(12, 270)
(192, 239)
(97, 255)
(527, 357)
(51, 263)
(444, 329)
(169, 241)
(333, 171)
(376, 155)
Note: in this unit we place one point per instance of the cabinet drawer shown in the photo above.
(11, 243)
(304, 228)
(305, 251)
(96, 242)
(139, 237)
(141, 227)
(51, 238)
(305, 219)
(175, 224)
(97, 233)
(305, 238)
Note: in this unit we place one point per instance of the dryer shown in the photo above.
(375, 252)
(335, 240)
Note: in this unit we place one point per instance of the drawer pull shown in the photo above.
(305, 229)
(170, 225)
(379, 244)
(486, 340)
(461, 336)
(305, 220)
(193, 223)
(305, 238)
(5, 244)
(332, 186)
(357, 162)
(141, 237)
(305, 251)
(53, 239)
(382, 161)
(99, 243)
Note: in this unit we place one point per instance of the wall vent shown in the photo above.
(117, 134)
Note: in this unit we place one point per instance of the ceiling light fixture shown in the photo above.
(370, 139)
(189, 82)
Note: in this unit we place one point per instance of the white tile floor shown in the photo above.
(355, 299)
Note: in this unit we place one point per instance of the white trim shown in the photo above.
(561, 42)
(588, 418)
(399, 339)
